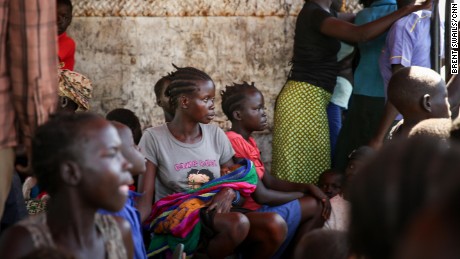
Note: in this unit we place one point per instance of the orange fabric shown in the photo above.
(175, 218)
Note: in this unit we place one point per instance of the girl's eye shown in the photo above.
(205, 100)
(111, 155)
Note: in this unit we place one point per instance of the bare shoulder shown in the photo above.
(125, 229)
(123, 225)
(16, 242)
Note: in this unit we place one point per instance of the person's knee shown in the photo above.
(277, 228)
(269, 226)
(310, 206)
(236, 226)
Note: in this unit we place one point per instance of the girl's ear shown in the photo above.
(70, 173)
(236, 115)
(183, 102)
(426, 102)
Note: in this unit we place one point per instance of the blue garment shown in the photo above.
(290, 212)
(130, 213)
(408, 43)
(334, 118)
(368, 80)
(15, 207)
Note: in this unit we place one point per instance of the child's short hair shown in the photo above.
(408, 85)
(437, 127)
(66, 2)
(183, 81)
(128, 118)
(233, 96)
(333, 172)
(54, 142)
(323, 244)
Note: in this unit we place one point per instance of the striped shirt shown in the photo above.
(28, 68)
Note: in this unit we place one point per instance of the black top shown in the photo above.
(315, 54)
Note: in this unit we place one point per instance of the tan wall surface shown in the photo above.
(125, 46)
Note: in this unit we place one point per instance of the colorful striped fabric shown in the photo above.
(175, 219)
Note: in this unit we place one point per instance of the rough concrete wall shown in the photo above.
(125, 46)
(183, 8)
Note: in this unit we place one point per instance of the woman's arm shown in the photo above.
(146, 186)
(222, 201)
(389, 115)
(349, 32)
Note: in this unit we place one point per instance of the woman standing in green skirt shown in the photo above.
(301, 149)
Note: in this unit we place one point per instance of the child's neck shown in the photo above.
(407, 126)
(409, 122)
(245, 133)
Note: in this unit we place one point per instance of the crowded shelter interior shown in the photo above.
(229, 129)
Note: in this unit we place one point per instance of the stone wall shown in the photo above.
(125, 46)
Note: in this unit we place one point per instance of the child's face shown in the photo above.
(252, 113)
(64, 17)
(103, 165)
(130, 151)
(440, 107)
(200, 104)
(330, 184)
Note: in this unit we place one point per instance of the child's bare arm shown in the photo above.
(287, 187)
(273, 183)
(265, 196)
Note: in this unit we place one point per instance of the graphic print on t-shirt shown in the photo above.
(196, 178)
(196, 163)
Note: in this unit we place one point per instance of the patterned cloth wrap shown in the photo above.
(175, 219)
(76, 87)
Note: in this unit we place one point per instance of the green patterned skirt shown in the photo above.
(301, 149)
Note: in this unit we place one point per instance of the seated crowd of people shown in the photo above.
(107, 187)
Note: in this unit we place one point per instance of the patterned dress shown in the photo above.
(105, 224)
